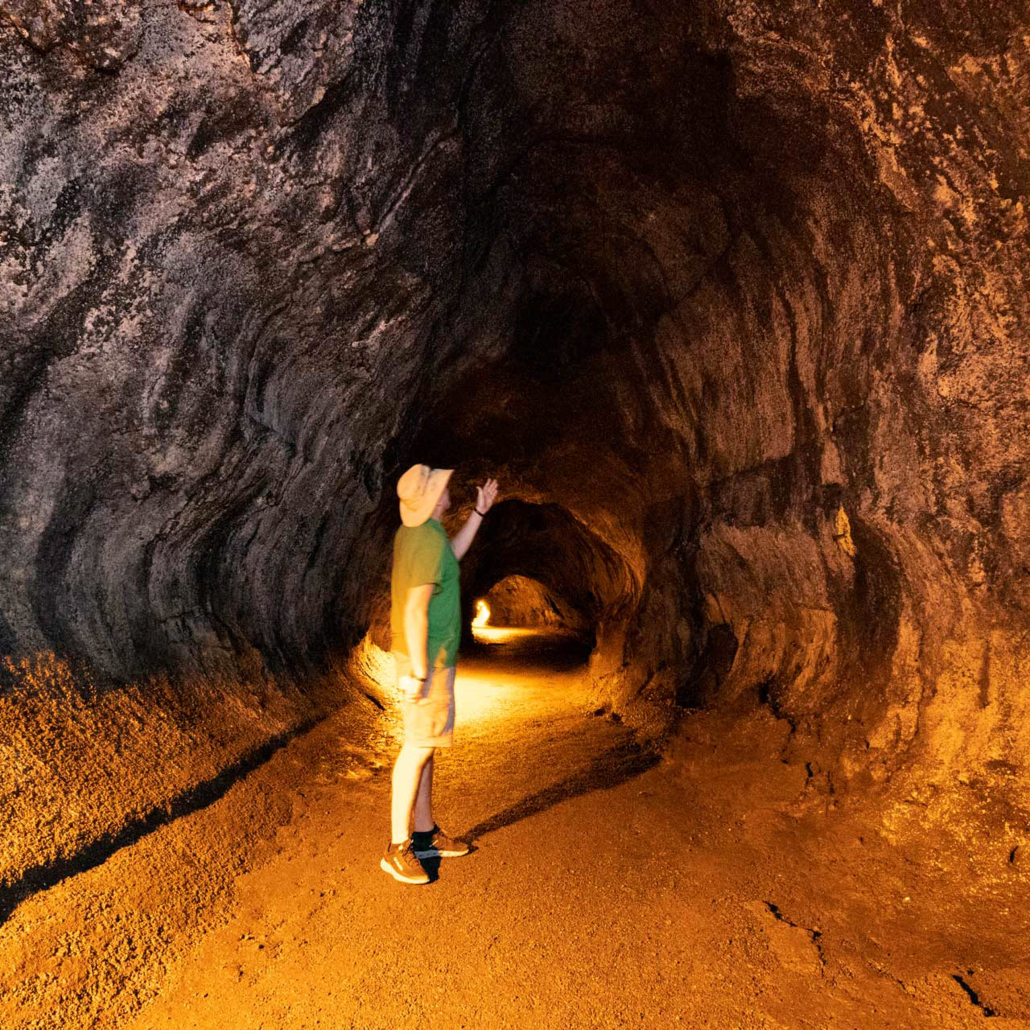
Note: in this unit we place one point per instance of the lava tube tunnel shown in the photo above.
(731, 301)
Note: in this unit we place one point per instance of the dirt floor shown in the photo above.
(607, 888)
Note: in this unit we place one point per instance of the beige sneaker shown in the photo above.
(400, 862)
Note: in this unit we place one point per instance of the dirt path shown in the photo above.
(606, 891)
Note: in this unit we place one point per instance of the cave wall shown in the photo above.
(214, 312)
(738, 288)
(872, 576)
(884, 589)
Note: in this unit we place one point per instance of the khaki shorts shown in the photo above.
(429, 717)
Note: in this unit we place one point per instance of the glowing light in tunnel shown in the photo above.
(482, 614)
(497, 635)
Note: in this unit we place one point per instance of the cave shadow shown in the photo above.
(559, 650)
(45, 875)
(611, 769)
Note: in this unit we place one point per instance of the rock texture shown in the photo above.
(731, 296)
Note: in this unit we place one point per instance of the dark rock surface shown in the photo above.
(736, 292)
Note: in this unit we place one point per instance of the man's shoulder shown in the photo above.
(417, 537)
(415, 532)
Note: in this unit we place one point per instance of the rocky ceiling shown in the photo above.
(730, 296)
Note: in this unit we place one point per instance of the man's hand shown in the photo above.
(411, 686)
(486, 495)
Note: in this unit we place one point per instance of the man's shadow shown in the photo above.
(610, 769)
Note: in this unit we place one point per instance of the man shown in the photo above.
(426, 626)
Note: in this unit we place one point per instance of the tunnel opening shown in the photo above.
(543, 568)
(522, 617)
(519, 602)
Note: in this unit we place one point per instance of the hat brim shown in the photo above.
(416, 514)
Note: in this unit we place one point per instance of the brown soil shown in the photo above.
(607, 889)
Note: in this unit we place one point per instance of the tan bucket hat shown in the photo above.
(419, 489)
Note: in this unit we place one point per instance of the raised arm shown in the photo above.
(485, 497)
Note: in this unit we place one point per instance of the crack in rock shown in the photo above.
(813, 935)
(973, 996)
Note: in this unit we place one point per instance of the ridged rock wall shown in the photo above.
(214, 315)
(736, 290)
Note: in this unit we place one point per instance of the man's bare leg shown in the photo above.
(406, 783)
(424, 800)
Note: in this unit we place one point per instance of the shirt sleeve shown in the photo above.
(425, 558)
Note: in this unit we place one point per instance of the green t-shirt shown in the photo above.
(421, 555)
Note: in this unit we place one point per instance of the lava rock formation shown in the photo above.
(732, 297)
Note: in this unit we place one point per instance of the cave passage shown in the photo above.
(732, 298)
